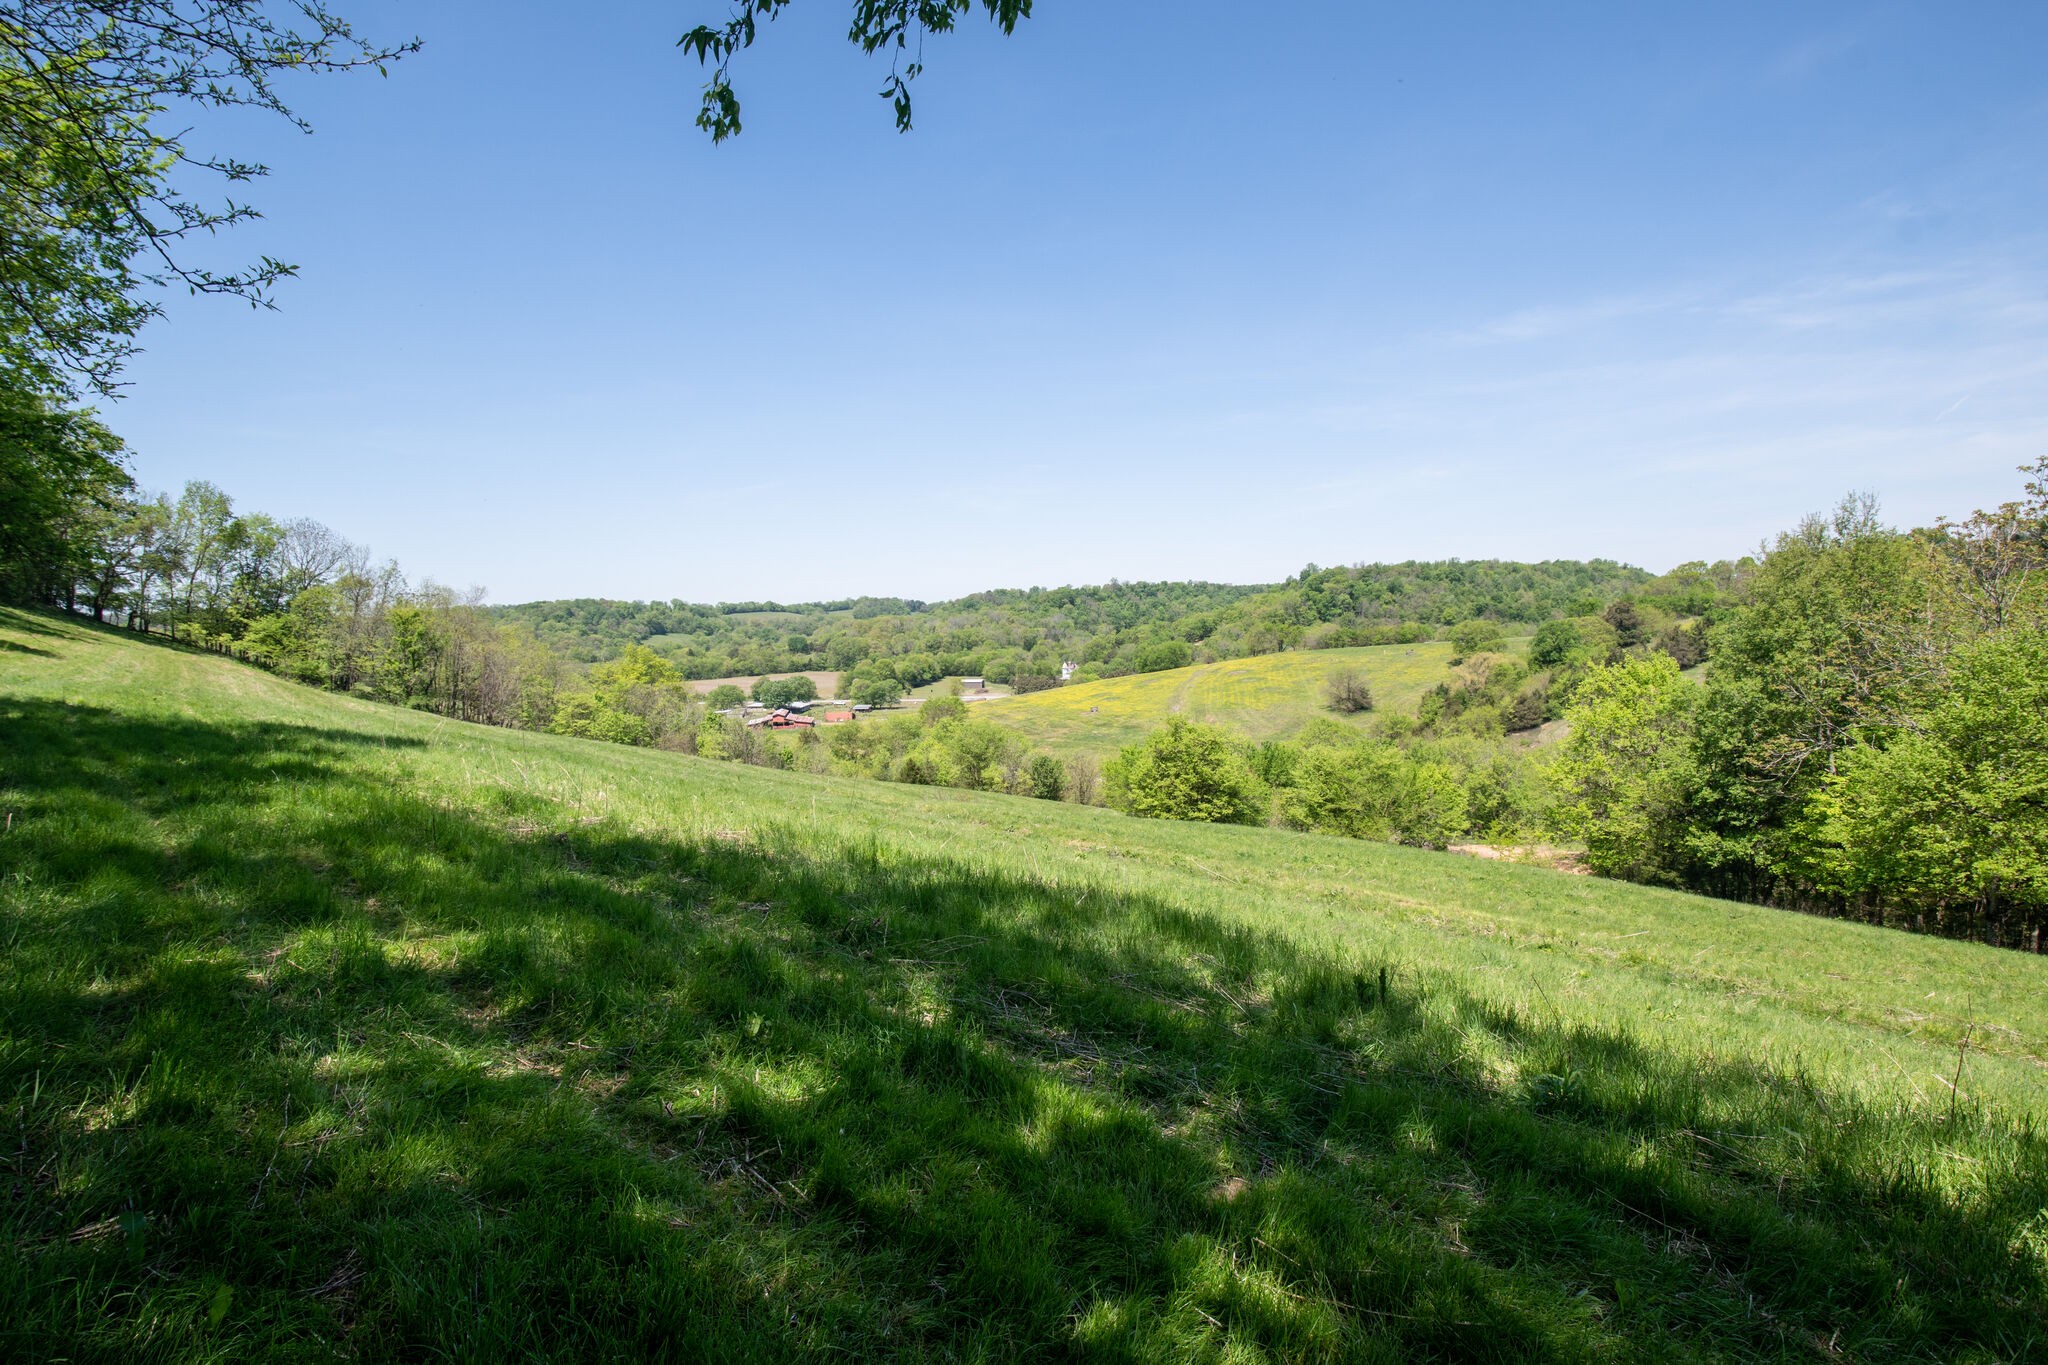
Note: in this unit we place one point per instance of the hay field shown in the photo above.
(1267, 697)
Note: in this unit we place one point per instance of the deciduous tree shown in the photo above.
(897, 27)
(1186, 771)
(98, 212)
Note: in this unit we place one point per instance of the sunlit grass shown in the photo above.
(332, 1029)
(1270, 696)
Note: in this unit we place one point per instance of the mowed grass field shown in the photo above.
(332, 1030)
(946, 687)
(826, 683)
(1270, 696)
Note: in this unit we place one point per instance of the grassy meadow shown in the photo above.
(335, 1030)
(946, 687)
(1270, 696)
(826, 683)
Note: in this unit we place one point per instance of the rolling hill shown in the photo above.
(333, 1029)
(1268, 696)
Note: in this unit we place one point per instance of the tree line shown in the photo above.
(1026, 637)
(1869, 739)
(292, 596)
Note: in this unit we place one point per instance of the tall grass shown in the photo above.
(329, 1029)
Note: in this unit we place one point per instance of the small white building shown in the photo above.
(1068, 668)
(974, 684)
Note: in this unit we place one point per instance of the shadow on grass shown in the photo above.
(32, 622)
(299, 1057)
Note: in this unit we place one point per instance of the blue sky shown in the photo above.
(1155, 290)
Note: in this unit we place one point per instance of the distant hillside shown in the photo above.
(1120, 628)
(1268, 697)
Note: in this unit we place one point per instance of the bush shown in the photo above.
(1430, 807)
(1348, 692)
(591, 717)
(1474, 637)
(1162, 655)
(1526, 711)
(1033, 682)
(1627, 622)
(1082, 780)
(1685, 645)
(1343, 789)
(1186, 771)
(939, 710)
(1374, 791)
(979, 751)
(1047, 777)
(1556, 643)
(1624, 771)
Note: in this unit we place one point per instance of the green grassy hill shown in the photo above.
(1269, 696)
(333, 1030)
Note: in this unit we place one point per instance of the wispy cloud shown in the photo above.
(1809, 55)
(1554, 320)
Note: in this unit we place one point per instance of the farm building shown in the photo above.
(974, 684)
(781, 719)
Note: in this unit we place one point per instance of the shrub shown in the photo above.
(1083, 778)
(1033, 682)
(1624, 771)
(939, 710)
(1162, 655)
(1374, 791)
(1684, 644)
(1526, 711)
(978, 750)
(1348, 692)
(1186, 771)
(1556, 643)
(1627, 622)
(1274, 762)
(1047, 777)
(1429, 808)
(1343, 789)
(1474, 637)
(592, 717)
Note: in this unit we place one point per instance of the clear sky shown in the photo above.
(1157, 289)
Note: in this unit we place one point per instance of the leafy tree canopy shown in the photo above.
(897, 27)
(1186, 771)
(783, 691)
(96, 201)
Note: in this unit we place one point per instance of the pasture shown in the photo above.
(827, 683)
(1270, 696)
